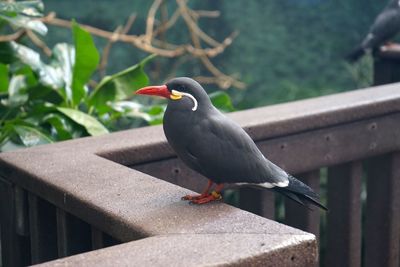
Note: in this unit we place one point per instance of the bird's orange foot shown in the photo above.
(194, 197)
(209, 198)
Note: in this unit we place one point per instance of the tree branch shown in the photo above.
(12, 37)
(150, 20)
(149, 43)
(38, 42)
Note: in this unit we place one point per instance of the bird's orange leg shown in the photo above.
(204, 194)
(215, 195)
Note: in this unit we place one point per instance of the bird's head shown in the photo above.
(178, 89)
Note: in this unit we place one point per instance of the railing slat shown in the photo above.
(300, 217)
(21, 211)
(97, 238)
(268, 204)
(15, 248)
(109, 241)
(386, 69)
(42, 225)
(74, 235)
(382, 229)
(257, 201)
(344, 216)
(62, 233)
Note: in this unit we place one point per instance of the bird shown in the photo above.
(215, 146)
(384, 28)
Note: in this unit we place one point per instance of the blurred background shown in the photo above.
(285, 50)
(63, 80)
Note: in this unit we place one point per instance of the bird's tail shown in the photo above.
(300, 192)
(355, 54)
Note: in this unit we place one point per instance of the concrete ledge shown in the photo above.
(203, 250)
(130, 205)
(87, 178)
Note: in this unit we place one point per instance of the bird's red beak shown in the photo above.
(160, 90)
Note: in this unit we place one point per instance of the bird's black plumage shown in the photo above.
(211, 143)
(218, 148)
(385, 27)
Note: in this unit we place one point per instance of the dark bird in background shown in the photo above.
(218, 148)
(384, 28)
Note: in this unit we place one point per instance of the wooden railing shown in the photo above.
(67, 198)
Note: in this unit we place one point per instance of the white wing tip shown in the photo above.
(267, 185)
(282, 184)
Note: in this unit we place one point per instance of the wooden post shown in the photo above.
(387, 65)
(344, 216)
(382, 226)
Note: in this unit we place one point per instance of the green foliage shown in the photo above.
(92, 125)
(362, 71)
(19, 14)
(119, 86)
(297, 42)
(44, 102)
(3, 78)
(222, 101)
(86, 60)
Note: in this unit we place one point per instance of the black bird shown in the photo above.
(385, 27)
(218, 148)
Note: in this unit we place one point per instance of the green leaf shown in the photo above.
(6, 53)
(39, 108)
(62, 67)
(151, 114)
(3, 78)
(26, 22)
(20, 14)
(58, 74)
(86, 61)
(130, 109)
(51, 76)
(27, 8)
(222, 101)
(62, 129)
(31, 136)
(30, 78)
(17, 94)
(119, 86)
(91, 124)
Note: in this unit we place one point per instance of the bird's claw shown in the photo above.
(214, 196)
(192, 197)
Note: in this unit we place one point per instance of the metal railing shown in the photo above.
(70, 197)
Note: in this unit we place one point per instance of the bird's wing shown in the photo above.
(384, 27)
(225, 153)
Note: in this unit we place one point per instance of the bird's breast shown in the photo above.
(179, 127)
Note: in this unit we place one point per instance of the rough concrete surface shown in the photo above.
(87, 178)
(203, 250)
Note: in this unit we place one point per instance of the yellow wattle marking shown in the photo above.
(175, 95)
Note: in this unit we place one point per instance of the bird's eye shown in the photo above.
(181, 88)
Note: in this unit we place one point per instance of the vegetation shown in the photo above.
(293, 49)
(42, 102)
(285, 50)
